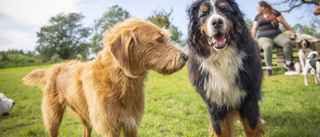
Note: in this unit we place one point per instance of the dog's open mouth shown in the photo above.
(219, 40)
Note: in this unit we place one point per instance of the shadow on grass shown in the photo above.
(292, 124)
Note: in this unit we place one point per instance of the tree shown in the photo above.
(64, 36)
(162, 19)
(249, 23)
(293, 4)
(312, 29)
(5, 57)
(113, 15)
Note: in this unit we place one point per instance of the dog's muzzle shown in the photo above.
(6, 114)
(217, 36)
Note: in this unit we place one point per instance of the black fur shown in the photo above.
(313, 63)
(249, 76)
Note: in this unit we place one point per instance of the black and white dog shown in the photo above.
(225, 66)
(312, 64)
(304, 48)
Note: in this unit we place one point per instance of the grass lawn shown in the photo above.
(173, 108)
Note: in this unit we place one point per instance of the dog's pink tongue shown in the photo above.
(218, 40)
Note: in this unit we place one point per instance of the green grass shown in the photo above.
(173, 108)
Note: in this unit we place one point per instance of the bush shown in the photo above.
(5, 57)
(17, 60)
(55, 59)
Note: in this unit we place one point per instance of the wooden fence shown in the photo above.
(278, 59)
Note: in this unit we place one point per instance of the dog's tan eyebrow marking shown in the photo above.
(205, 9)
(222, 5)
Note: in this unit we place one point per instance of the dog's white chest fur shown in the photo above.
(222, 67)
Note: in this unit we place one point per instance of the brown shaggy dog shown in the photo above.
(107, 93)
(317, 12)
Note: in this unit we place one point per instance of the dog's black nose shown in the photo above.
(185, 57)
(217, 22)
(13, 103)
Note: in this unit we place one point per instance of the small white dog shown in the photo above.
(313, 64)
(5, 106)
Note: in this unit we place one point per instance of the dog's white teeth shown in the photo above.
(210, 41)
(216, 41)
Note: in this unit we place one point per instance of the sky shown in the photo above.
(21, 19)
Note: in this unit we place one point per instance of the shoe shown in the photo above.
(269, 72)
(290, 67)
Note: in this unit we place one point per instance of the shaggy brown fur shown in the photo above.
(317, 11)
(107, 93)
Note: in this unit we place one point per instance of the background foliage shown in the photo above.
(113, 15)
(162, 19)
(295, 4)
(64, 37)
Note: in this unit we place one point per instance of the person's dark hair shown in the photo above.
(269, 11)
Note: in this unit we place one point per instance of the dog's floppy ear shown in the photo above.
(298, 46)
(309, 45)
(121, 48)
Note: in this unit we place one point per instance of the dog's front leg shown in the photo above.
(86, 128)
(318, 71)
(250, 118)
(130, 132)
(302, 60)
(305, 80)
(305, 73)
(221, 122)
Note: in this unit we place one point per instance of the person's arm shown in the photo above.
(284, 23)
(254, 29)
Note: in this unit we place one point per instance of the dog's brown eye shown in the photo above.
(222, 5)
(159, 39)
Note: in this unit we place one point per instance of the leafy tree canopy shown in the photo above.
(65, 36)
(294, 4)
(162, 19)
(113, 15)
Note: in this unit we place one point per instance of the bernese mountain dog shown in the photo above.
(225, 66)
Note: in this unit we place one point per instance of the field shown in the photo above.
(173, 108)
